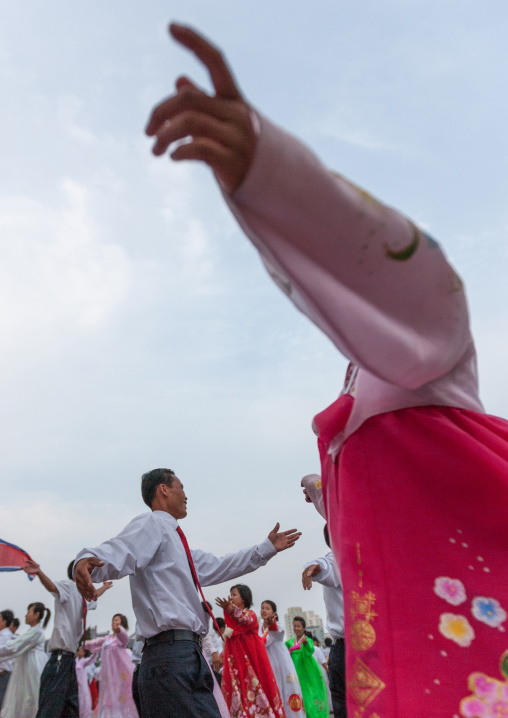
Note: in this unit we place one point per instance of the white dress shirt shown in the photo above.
(68, 626)
(5, 637)
(333, 597)
(150, 551)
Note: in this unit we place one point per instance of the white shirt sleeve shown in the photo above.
(208, 646)
(129, 552)
(212, 569)
(376, 285)
(329, 574)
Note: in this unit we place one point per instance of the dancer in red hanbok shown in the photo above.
(414, 473)
(248, 683)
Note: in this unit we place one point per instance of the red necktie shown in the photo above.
(84, 609)
(195, 578)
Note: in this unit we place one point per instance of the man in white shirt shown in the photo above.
(174, 678)
(6, 618)
(324, 571)
(58, 697)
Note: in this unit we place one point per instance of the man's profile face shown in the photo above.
(3, 623)
(176, 500)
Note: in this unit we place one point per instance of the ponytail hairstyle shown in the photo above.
(40, 609)
(273, 606)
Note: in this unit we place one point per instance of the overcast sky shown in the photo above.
(137, 326)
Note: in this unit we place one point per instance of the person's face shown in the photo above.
(298, 628)
(81, 652)
(31, 618)
(174, 499)
(116, 622)
(266, 611)
(236, 598)
(3, 623)
(12, 628)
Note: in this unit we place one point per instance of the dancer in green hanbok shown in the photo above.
(312, 683)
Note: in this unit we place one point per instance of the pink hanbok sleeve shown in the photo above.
(376, 284)
(94, 645)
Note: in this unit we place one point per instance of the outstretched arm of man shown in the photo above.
(220, 126)
(308, 574)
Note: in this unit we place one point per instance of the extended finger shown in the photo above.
(211, 57)
(188, 99)
(195, 124)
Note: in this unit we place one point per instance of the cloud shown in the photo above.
(56, 275)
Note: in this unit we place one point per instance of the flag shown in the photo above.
(12, 558)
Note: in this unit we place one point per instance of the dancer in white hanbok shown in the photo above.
(280, 660)
(22, 696)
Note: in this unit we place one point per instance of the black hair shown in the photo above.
(273, 606)
(328, 642)
(69, 570)
(7, 615)
(151, 481)
(245, 593)
(40, 609)
(123, 620)
(326, 535)
(15, 623)
(302, 621)
(220, 622)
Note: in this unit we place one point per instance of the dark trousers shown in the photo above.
(4, 680)
(175, 682)
(135, 690)
(58, 697)
(337, 677)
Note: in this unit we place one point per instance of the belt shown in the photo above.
(62, 652)
(173, 635)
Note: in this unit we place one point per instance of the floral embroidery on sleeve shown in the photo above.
(243, 616)
(456, 628)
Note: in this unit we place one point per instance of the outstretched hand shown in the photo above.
(225, 603)
(82, 576)
(308, 574)
(31, 567)
(219, 126)
(283, 539)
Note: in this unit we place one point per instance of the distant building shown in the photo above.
(313, 621)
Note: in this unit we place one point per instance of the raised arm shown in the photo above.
(322, 570)
(33, 569)
(376, 284)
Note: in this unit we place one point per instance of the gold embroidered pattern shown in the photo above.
(364, 684)
(363, 636)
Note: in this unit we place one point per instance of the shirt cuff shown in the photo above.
(267, 549)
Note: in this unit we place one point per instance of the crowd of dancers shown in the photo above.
(255, 672)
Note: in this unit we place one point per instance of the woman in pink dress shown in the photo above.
(414, 473)
(115, 693)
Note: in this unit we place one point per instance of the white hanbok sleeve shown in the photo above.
(129, 552)
(20, 644)
(376, 285)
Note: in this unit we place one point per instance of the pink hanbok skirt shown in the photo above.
(417, 506)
